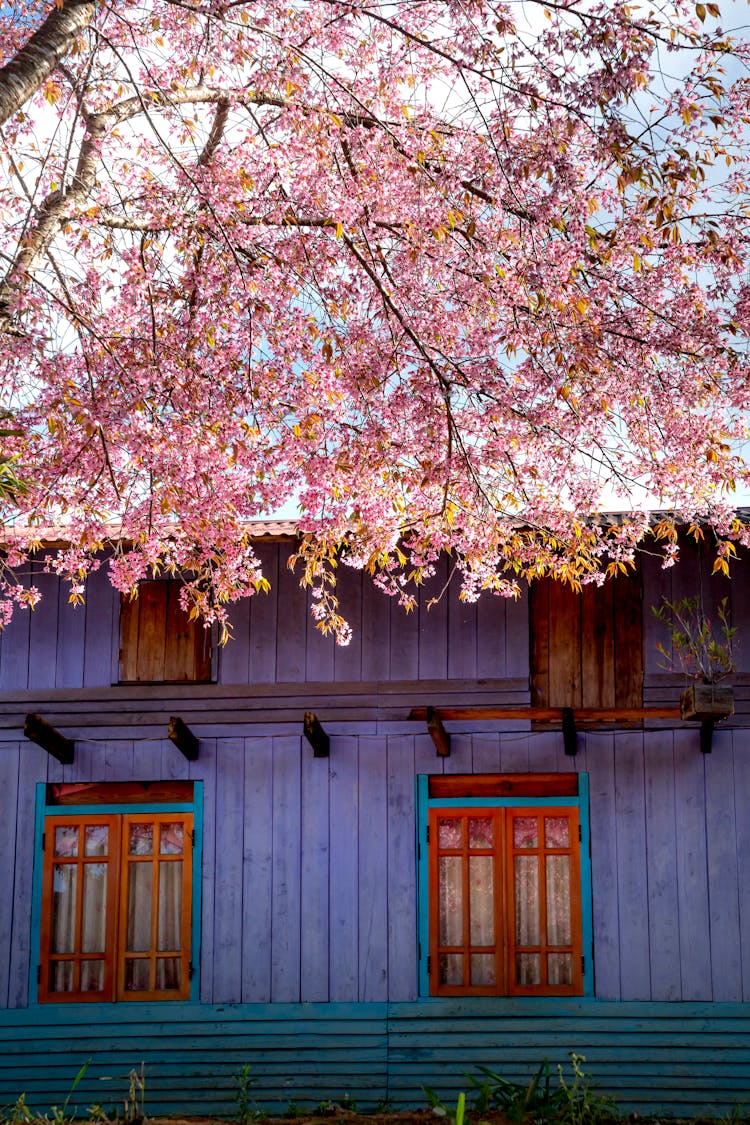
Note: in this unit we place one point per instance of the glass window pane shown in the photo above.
(171, 839)
(528, 969)
(64, 885)
(556, 833)
(136, 975)
(96, 839)
(66, 840)
(450, 832)
(480, 832)
(94, 907)
(525, 833)
(526, 894)
(481, 900)
(170, 906)
(559, 968)
(450, 902)
(558, 899)
(167, 972)
(61, 976)
(92, 976)
(451, 968)
(483, 968)
(141, 839)
(140, 879)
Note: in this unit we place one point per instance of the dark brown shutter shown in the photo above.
(587, 648)
(158, 642)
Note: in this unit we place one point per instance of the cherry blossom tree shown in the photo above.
(453, 276)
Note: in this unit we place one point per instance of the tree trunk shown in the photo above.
(24, 74)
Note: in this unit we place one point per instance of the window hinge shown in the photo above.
(191, 971)
(583, 964)
(427, 835)
(192, 837)
(429, 964)
(39, 974)
(579, 834)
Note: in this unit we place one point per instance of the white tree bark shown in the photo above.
(24, 74)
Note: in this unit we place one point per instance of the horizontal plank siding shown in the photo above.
(671, 1059)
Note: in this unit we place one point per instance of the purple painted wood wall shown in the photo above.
(309, 864)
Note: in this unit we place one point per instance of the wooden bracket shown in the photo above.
(438, 733)
(570, 738)
(316, 736)
(183, 738)
(56, 744)
(707, 735)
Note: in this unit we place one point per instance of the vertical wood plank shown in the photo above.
(597, 646)
(485, 753)
(740, 739)
(285, 920)
(601, 763)
(71, 635)
(257, 873)
(205, 770)
(539, 642)
(404, 650)
(152, 630)
(514, 752)
(344, 866)
(545, 751)
(491, 637)
(319, 648)
(661, 849)
(376, 631)
(263, 619)
(118, 760)
(462, 634)
(373, 873)
(723, 874)
(102, 628)
(564, 646)
(174, 765)
(433, 625)
(32, 767)
(657, 585)
(148, 757)
(227, 939)
(347, 659)
(234, 656)
(632, 889)
(459, 760)
(129, 614)
(517, 635)
(629, 612)
(292, 622)
(314, 889)
(43, 630)
(692, 875)
(402, 865)
(9, 761)
(14, 665)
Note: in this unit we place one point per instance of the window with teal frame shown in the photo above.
(116, 905)
(504, 885)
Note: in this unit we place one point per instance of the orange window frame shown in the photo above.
(505, 946)
(119, 863)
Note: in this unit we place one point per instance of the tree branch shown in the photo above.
(34, 63)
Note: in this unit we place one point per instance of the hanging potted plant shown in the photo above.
(703, 650)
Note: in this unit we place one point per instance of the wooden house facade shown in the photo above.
(317, 908)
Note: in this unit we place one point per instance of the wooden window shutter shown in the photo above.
(158, 642)
(587, 648)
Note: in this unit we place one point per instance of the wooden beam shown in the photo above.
(550, 714)
(316, 736)
(183, 738)
(56, 744)
(438, 733)
(570, 738)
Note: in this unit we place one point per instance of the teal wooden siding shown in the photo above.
(676, 1059)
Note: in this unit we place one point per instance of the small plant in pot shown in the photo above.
(703, 650)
